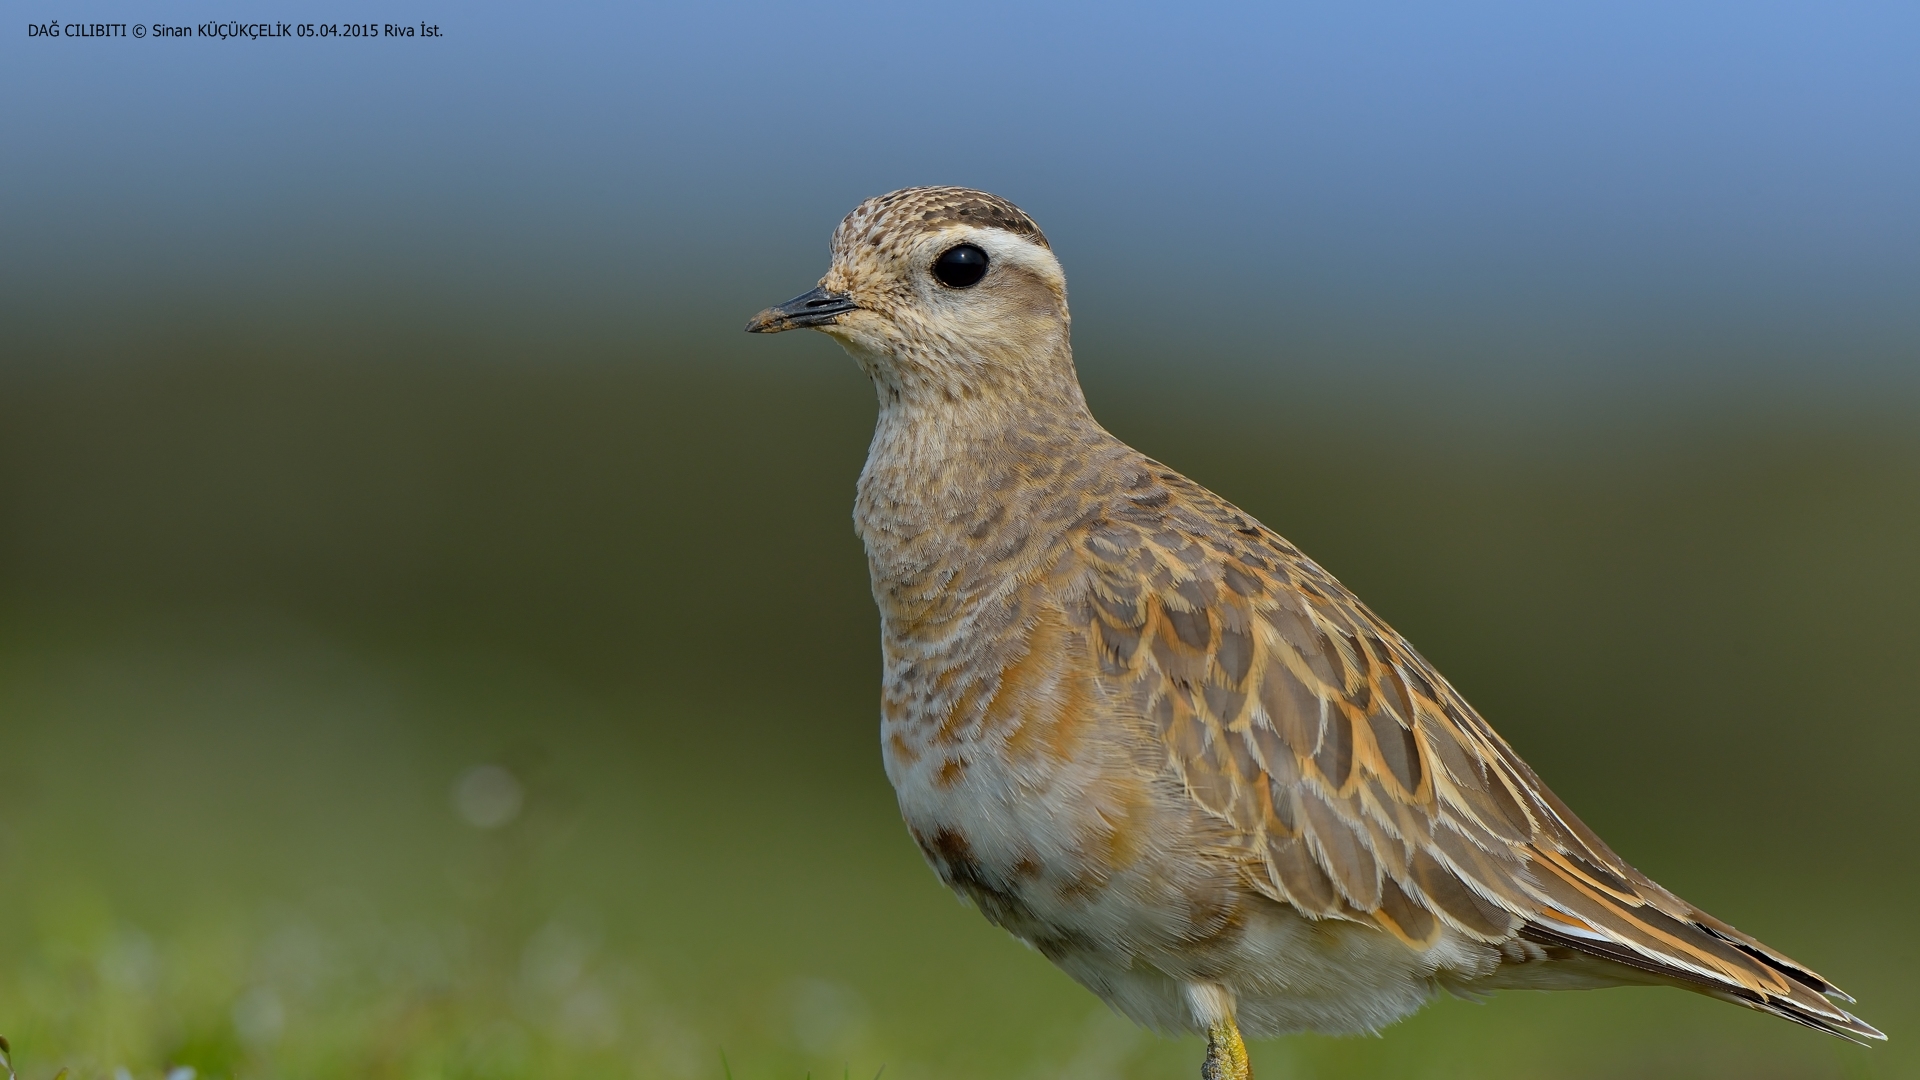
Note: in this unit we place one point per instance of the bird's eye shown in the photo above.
(961, 266)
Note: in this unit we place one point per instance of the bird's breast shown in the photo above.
(1018, 780)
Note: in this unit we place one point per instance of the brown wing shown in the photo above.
(1364, 786)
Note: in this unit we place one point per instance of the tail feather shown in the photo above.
(1773, 984)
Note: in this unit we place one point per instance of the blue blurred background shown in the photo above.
(375, 427)
(1535, 195)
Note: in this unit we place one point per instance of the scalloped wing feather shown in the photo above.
(1362, 786)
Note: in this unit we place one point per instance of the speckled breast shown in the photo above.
(1028, 792)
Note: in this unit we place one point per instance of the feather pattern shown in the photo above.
(1361, 784)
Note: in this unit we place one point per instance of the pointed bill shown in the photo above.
(816, 308)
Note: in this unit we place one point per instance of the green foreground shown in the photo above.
(260, 624)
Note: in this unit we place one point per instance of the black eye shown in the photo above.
(959, 267)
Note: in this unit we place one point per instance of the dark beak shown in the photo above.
(816, 308)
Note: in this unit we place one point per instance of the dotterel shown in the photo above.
(1146, 735)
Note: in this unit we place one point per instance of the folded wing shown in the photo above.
(1363, 785)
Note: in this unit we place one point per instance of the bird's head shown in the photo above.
(941, 291)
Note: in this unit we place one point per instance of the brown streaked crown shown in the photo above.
(917, 208)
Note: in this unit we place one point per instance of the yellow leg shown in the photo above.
(1226, 1054)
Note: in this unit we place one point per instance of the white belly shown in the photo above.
(1125, 887)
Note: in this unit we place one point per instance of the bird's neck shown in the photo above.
(948, 477)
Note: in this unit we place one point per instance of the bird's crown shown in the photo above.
(903, 213)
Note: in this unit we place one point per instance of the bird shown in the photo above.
(1145, 734)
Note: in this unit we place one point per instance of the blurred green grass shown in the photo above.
(265, 599)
